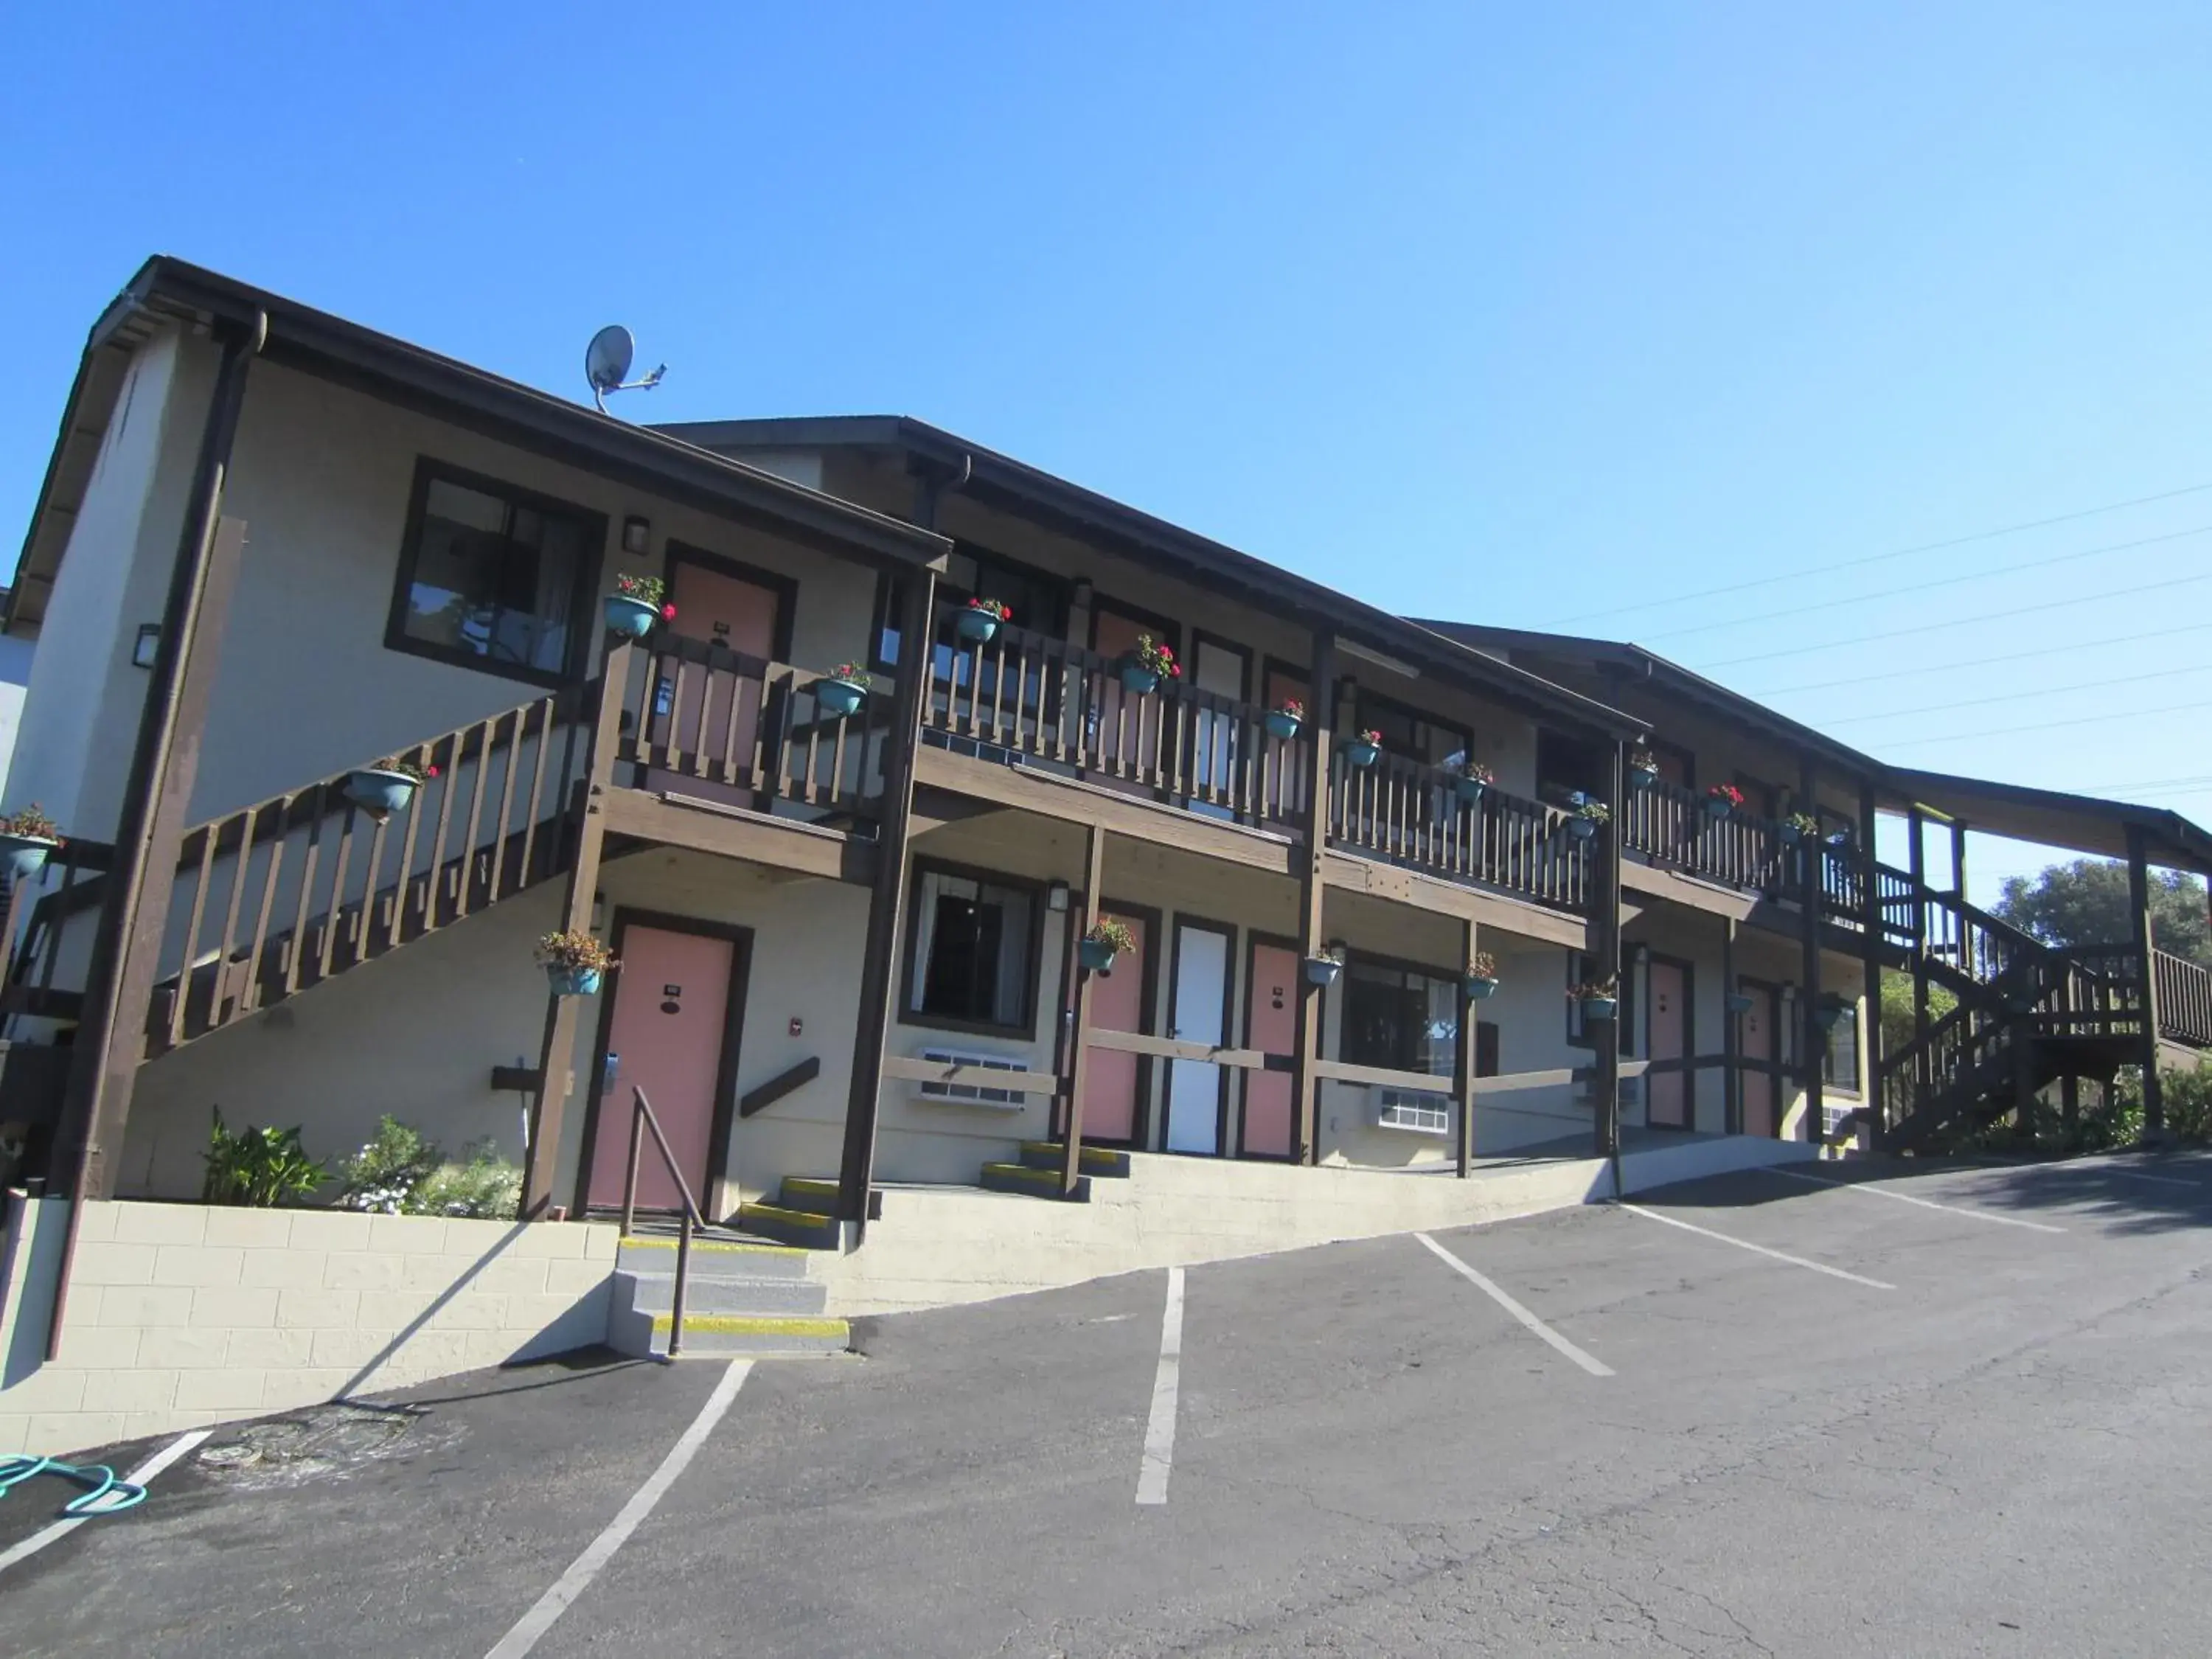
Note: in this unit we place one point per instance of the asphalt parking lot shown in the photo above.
(1754, 1415)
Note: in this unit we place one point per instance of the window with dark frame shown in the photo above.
(1038, 601)
(1399, 1018)
(493, 577)
(972, 951)
(1840, 1066)
(1566, 767)
(1409, 733)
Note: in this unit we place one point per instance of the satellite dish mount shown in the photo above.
(607, 360)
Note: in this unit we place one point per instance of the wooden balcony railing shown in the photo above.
(1669, 825)
(1057, 703)
(696, 713)
(2184, 1000)
(1410, 813)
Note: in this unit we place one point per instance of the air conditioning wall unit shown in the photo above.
(970, 1094)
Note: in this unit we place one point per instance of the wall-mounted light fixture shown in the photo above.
(1643, 956)
(637, 535)
(1057, 896)
(148, 642)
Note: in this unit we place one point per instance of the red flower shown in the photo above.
(429, 771)
(668, 613)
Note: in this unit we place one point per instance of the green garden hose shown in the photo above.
(106, 1495)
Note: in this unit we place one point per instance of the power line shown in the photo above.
(1878, 558)
(1978, 662)
(2020, 696)
(1940, 582)
(2053, 726)
(2143, 783)
(1931, 628)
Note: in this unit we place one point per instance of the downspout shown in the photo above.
(218, 435)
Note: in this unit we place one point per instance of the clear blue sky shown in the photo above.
(1512, 314)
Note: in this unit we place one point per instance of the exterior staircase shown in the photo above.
(2027, 1013)
(743, 1299)
(804, 1212)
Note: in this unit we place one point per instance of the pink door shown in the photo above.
(1117, 1004)
(671, 1003)
(1271, 1025)
(1668, 1092)
(1758, 1039)
(713, 606)
(1127, 741)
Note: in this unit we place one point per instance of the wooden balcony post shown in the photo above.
(587, 835)
(1917, 864)
(1958, 859)
(1813, 1041)
(1731, 1037)
(1313, 856)
(110, 1040)
(886, 901)
(2146, 944)
(1604, 934)
(1870, 1021)
(1463, 1060)
(1094, 884)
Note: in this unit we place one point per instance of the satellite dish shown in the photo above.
(607, 359)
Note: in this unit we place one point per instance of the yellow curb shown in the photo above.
(719, 1246)
(748, 1325)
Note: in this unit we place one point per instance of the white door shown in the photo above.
(1219, 669)
(1201, 993)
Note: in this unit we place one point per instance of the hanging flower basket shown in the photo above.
(843, 691)
(25, 838)
(1364, 748)
(1323, 968)
(1104, 942)
(1722, 799)
(636, 604)
(1797, 827)
(1599, 999)
(1740, 1002)
(1643, 769)
(1469, 777)
(1149, 662)
(386, 787)
(981, 620)
(1482, 977)
(575, 962)
(1587, 815)
(1828, 1012)
(1284, 718)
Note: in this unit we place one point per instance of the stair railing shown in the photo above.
(641, 1118)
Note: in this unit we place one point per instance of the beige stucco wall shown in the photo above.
(180, 1315)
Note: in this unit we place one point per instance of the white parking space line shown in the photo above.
(1872, 1191)
(531, 1628)
(1160, 1432)
(138, 1477)
(2132, 1174)
(1761, 1250)
(1595, 1367)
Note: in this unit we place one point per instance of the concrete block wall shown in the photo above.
(181, 1315)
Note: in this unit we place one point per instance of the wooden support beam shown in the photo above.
(1917, 863)
(1094, 886)
(1605, 952)
(1312, 865)
(1731, 1036)
(2145, 938)
(1870, 968)
(1463, 1062)
(134, 917)
(886, 900)
(587, 835)
(1958, 859)
(1813, 1041)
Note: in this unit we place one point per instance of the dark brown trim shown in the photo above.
(1254, 939)
(584, 585)
(788, 1081)
(1184, 921)
(786, 588)
(1026, 1031)
(1370, 697)
(1206, 636)
(1778, 1062)
(725, 1071)
(1170, 630)
(1689, 1037)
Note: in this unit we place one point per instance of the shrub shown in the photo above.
(258, 1167)
(384, 1175)
(485, 1188)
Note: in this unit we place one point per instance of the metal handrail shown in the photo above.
(641, 1118)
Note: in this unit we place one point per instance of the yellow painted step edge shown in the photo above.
(719, 1246)
(750, 1325)
(1022, 1172)
(802, 1218)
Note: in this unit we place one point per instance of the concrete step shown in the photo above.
(813, 1230)
(817, 1195)
(726, 1336)
(1034, 1183)
(655, 1292)
(713, 1259)
(1096, 1160)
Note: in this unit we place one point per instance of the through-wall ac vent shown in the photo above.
(1423, 1115)
(969, 1094)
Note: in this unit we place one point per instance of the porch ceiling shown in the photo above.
(2078, 823)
